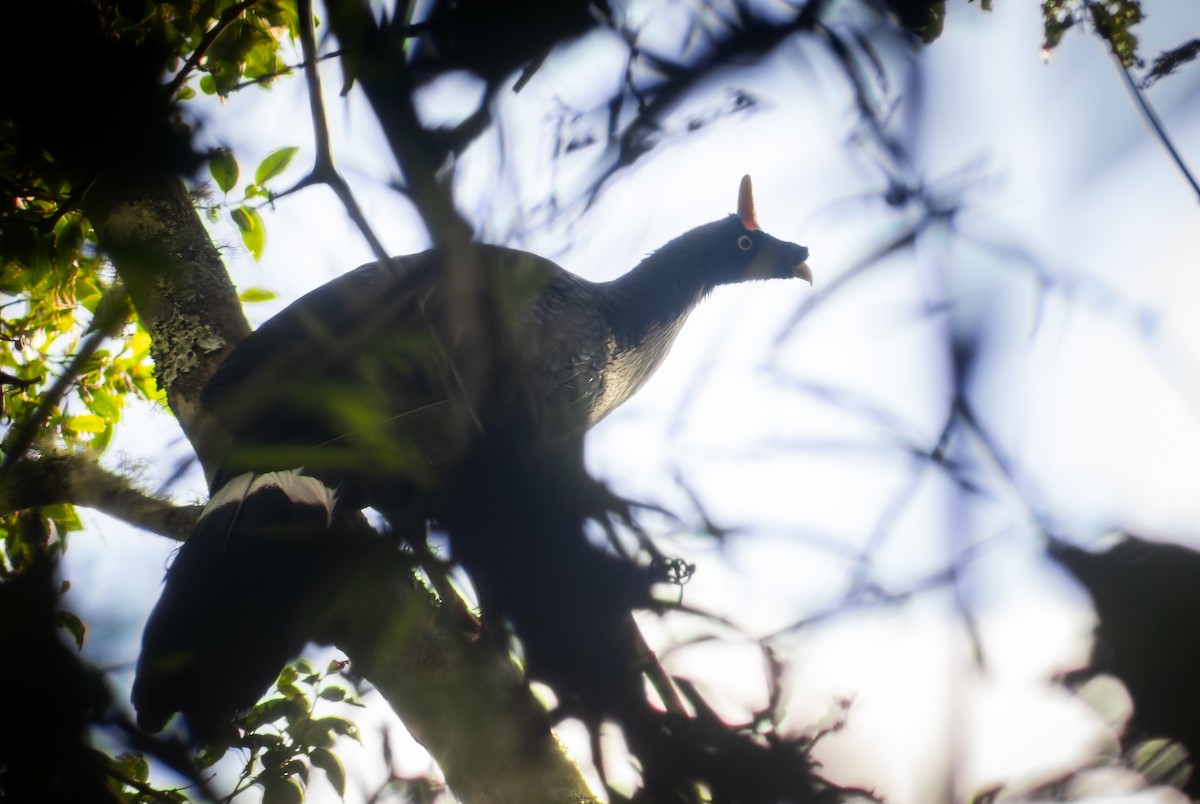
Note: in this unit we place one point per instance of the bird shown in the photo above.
(368, 392)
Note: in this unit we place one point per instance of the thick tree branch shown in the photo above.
(178, 286)
(80, 480)
(459, 697)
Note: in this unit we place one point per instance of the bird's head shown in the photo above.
(734, 249)
(754, 254)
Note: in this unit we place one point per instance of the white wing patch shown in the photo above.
(299, 488)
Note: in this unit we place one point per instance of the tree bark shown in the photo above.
(465, 702)
(80, 480)
(179, 287)
(468, 704)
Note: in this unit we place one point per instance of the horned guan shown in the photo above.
(361, 394)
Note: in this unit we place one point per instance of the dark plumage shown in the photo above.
(362, 393)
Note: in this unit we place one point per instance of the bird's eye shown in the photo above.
(745, 243)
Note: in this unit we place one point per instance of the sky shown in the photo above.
(799, 436)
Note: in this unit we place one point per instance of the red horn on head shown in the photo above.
(746, 205)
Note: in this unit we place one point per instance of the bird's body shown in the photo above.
(368, 390)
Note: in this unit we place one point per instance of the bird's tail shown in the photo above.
(236, 599)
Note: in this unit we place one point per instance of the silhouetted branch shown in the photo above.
(282, 71)
(323, 170)
(820, 295)
(1146, 109)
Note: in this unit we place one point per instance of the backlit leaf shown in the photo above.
(327, 761)
(273, 164)
(223, 167)
(255, 295)
(253, 234)
(86, 423)
(282, 791)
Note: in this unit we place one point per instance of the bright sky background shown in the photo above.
(1053, 162)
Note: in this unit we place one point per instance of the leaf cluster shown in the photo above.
(224, 41)
(285, 738)
(1113, 20)
(225, 171)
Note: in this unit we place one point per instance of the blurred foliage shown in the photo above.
(1112, 20)
(284, 738)
(53, 274)
(1169, 61)
(53, 279)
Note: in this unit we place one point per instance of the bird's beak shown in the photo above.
(803, 272)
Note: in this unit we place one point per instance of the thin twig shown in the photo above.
(1151, 116)
(143, 789)
(1155, 123)
(282, 71)
(323, 170)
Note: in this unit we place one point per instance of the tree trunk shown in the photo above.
(179, 287)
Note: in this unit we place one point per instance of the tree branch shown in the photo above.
(1156, 124)
(1139, 97)
(210, 36)
(464, 701)
(323, 170)
(80, 480)
(179, 287)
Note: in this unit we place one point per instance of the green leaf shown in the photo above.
(338, 725)
(327, 761)
(332, 694)
(66, 518)
(273, 164)
(273, 759)
(1161, 762)
(101, 440)
(133, 765)
(255, 295)
(224, 169)
(297, 768)
(135, 12)
(86, 423)
(105, 404)
(74, 625)
(208, 84)
(273, 709)
(282, 791)
(254, 235)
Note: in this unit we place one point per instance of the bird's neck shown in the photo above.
(645, 310)
(650, 303)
